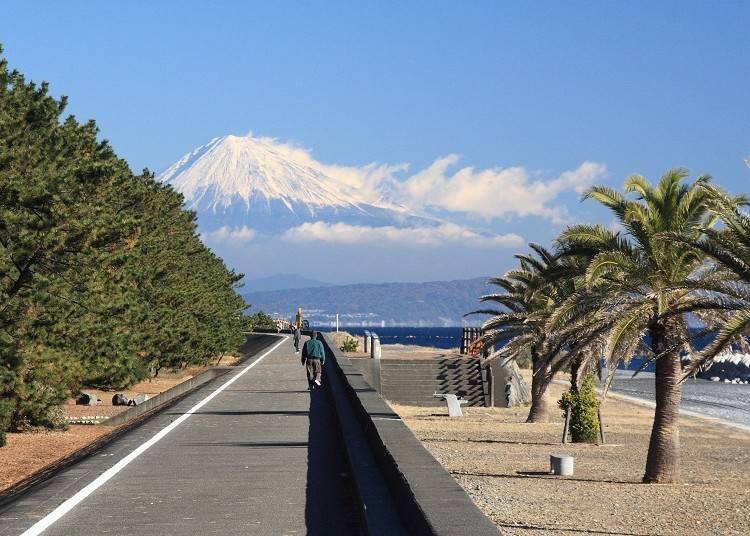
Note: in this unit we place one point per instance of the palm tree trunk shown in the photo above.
(662, 464)
(541, 379)
(575, 368)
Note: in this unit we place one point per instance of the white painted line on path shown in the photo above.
(44, 523)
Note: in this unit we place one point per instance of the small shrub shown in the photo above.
(583, 406)
(349, 345)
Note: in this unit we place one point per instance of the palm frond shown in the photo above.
(638, 184)
(607, 263)
(738, 325)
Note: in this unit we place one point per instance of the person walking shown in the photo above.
(314, 357)
(297, 333)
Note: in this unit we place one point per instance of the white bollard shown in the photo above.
(375, 347)
(367, 342)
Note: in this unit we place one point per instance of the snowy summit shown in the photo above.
(238, 181)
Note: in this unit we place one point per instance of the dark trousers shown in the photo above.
(314, 370)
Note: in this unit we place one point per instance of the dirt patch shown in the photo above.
(29, 452)
(503, 464)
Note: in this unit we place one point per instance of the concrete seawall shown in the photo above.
(428, 499)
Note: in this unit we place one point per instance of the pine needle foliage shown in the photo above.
(103, 277)
(259, 320)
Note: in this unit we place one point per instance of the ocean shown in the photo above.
(433, 337)
(451, 338)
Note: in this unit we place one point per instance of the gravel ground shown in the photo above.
(503, 465)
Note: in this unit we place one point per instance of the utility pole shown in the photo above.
(337, 322)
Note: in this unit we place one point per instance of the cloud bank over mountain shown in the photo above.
(495, 193)
(249, 190)
(446, 233)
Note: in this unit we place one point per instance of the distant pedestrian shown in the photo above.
(297, 333)
(314, 357)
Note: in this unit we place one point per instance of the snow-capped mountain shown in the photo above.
(237, 181)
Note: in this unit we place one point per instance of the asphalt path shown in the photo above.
(726, 401)
(252, 452)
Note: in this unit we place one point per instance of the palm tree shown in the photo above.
(526, 300)
(639, 283)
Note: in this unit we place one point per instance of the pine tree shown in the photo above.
(103, 277)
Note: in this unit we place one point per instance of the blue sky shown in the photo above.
(634, 86)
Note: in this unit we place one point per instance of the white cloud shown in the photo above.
(342, 233)
(497, 192)
(489, 193)
(230, 234)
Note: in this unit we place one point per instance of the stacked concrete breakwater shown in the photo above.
(728, 368)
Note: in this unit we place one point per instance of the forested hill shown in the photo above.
(437, 303)
(103, 277)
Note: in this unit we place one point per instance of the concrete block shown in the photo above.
(561, 464)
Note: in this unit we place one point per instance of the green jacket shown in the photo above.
(313, 349)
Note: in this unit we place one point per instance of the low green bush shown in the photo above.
(349, 345)
(583, 406)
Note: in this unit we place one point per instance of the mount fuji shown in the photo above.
(246, 181)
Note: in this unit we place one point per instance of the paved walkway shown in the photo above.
(261, 457)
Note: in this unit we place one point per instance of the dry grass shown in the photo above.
(503, 465)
